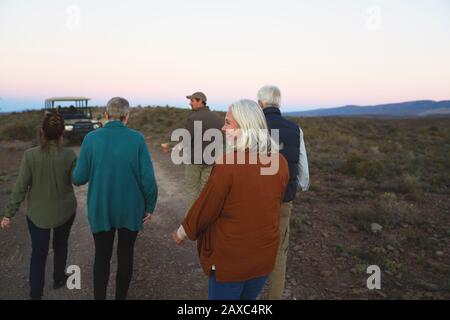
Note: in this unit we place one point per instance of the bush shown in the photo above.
(389, 211)
(411, 186)
(363, 217)
(20, 131)
(392, 211)
(407, 184)
(361, 167)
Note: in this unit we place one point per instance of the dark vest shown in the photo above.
(289, 135)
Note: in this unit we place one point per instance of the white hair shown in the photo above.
(270, 96)
(118, 108)
(254, 134)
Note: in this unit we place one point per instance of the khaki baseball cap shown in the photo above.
(197, 95)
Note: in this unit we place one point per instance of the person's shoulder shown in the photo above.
(282, 158)
(135, 135)
(195, 115)
(97, 134)
(226, 161)
(221, 159)
(32, 151)
(201, 113)
(291, 123)
(216, 116)
(223, 169)
(283, 162)
(69, 153)
(93, 134)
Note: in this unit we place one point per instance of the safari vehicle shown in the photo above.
(76, 113)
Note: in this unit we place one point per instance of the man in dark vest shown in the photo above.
(292, 147)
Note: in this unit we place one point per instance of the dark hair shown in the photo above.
(52, 127)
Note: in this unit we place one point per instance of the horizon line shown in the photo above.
(223, 107)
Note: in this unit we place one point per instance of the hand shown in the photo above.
(175, 238)
(6, 222)
(165, 147)
(147, 218)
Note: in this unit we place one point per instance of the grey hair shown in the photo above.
(118, 108)
(270, 96)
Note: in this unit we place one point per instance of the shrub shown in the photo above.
(362, 217)
(20, 131)
(392, 211)
(411, 186)
(407, 184)
(361, 167)
(389, 211)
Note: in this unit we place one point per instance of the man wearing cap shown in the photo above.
(197, 172)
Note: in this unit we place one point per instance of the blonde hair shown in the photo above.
(254, 133)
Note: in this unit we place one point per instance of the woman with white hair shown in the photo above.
(235, 220)
(122, 193)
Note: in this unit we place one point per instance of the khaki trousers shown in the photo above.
(277, 278)
(195, 177)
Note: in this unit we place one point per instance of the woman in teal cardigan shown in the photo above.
(122, 193)
(45, 178)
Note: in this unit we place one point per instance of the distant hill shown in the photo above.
(403, 109)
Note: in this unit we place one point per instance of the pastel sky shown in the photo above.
(320, 53)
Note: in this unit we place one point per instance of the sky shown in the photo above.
(319, 53)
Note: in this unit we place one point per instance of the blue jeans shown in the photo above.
(40, 239)
(241, 290)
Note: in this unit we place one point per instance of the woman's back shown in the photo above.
(45, 174)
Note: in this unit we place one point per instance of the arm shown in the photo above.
(181, 234)
(189, 126)
(147, 176)
(208, 206)
(73, 163)
(82, 169)
(20, 189)
(303, 169)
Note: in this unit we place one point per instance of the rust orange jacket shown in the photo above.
(235, 219)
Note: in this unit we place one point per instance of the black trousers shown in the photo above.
(104, 242)
(40, 239)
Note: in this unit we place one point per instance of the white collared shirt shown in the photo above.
(303, 168)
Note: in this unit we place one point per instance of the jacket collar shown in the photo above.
(272, 110)
(205, 108)
(114, 124)
(52, 142)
